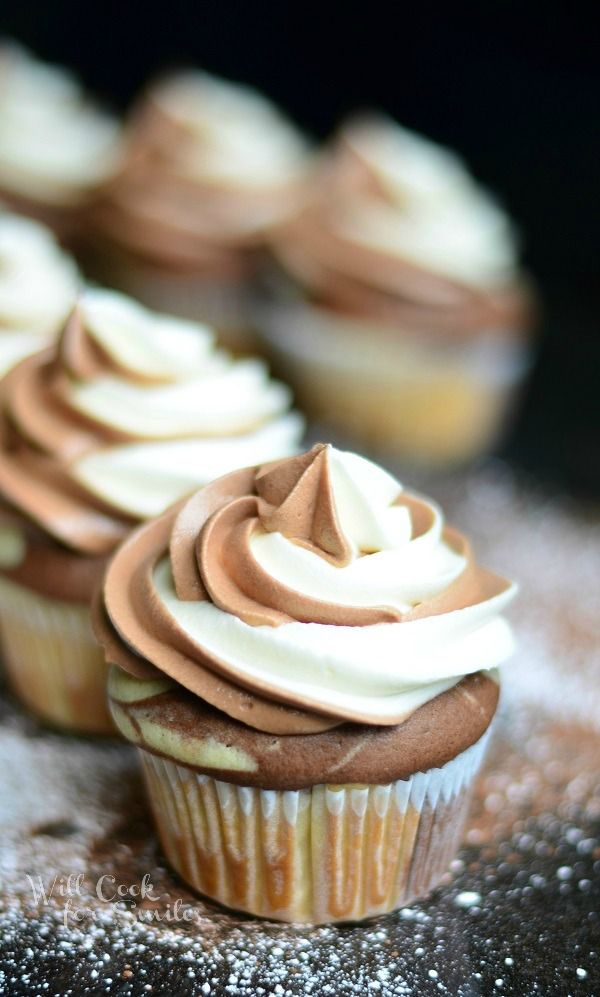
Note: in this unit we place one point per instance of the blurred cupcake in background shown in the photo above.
(38, 287)
(401, 316)
(128, 413)
(211, 168)
(56, 146)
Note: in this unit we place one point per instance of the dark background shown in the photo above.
(515, 88)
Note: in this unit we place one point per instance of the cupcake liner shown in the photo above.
(433, 401)
(324, 854)
(52, 661)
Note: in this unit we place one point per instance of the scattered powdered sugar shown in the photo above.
(517, 916)
(553, 550)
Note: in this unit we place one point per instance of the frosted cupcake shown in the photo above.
(211, 168)
(402, 321)
(38, 287)
(56, 147)
(131, 411)
(305, 656)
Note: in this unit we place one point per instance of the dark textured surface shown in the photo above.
(519, 914)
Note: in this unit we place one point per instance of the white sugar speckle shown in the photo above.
(467, 898)
(564, 872)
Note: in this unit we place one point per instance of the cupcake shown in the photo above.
(128, 413)
(305, 656)
(56, 147)
(211, 168)
(31, 258)
(400, 313)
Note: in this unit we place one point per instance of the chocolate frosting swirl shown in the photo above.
(202, 553)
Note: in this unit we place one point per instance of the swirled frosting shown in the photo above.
(211, 166)
(129, 412)
(397, 229)
(55, 146)
(31, 258)
(302, 594)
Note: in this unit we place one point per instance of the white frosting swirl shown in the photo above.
(142, 479)
(38, 287)
(199, 414)
(432, 211)
(54, 145)
(381, 670)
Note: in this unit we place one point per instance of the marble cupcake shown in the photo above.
(128, 413)
(211, 168)
(305, 655)
(402, 315)
(56, 146)
(39, 284)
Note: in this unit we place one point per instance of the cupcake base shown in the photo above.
(431, 400)
(52, 661)
(318, 855)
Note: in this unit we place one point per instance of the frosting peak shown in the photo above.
(271, 596)
(281, 552)
(296, 499)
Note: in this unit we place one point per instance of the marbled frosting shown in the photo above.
(211, 167)
(307, 596)
(396, 230)
(129, 412)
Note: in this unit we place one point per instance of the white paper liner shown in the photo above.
(403, 394)
(329, 853)
(51, 659)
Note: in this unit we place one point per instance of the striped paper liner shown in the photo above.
(52, 661)
(324, 854)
